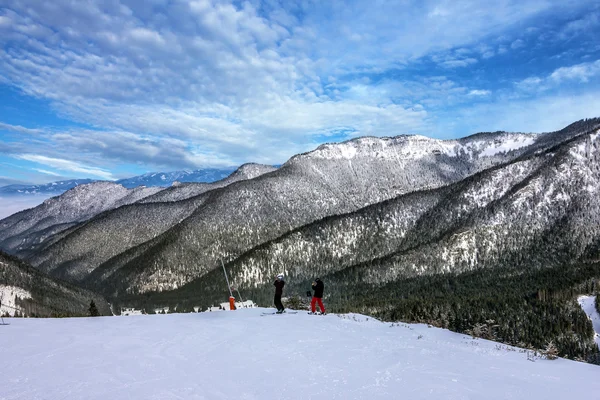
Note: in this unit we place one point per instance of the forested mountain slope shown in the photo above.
(26, 291)
(333, 179)
(22, 233)
(538, 210)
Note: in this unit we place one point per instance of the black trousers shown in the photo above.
(278, 303)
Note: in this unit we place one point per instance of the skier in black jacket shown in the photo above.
(318, 287)
(279, 284)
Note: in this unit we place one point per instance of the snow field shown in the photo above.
(241, 355)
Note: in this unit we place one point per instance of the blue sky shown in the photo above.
(114, 88)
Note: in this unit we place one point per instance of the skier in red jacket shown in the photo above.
(318, 287)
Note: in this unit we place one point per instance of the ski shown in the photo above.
(273, 313)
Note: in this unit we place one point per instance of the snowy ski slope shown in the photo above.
(240, 355)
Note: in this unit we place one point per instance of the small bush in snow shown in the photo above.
(296, 303)
(551, 352)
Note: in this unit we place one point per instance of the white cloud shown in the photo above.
(196, 83)
(564, 75)
(44, 171)
(147, 36)
(580, 72)
(18, 128)
(517, 44)
(5, 22)
(533, 83)
(458, 63)
(478, 92)
(439, 12)
(457, 58)
(590, 23)
(488, 54)
(215, 51)
(66, 165)
(147, 149)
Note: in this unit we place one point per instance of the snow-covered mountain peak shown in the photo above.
(252, 170)
(415, 147)
(98, 185)
(367, 146)
(90, 195)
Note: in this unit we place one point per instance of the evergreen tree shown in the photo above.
(93, 310)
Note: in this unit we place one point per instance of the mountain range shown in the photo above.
(401, 227)
(160, 179)
(162, 245)
(48, 189)
(165, 179)
(152, 239)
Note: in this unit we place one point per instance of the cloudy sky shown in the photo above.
(108, 89)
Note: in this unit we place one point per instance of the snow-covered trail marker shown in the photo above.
(239, 355)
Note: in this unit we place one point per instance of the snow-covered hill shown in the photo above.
(242, 355)
(27, 229)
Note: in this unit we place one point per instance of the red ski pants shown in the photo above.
(314, 301)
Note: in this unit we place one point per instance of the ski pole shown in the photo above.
(226, 278)
(238, 292)
(231, 297)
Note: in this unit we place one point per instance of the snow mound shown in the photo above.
(241, 355)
